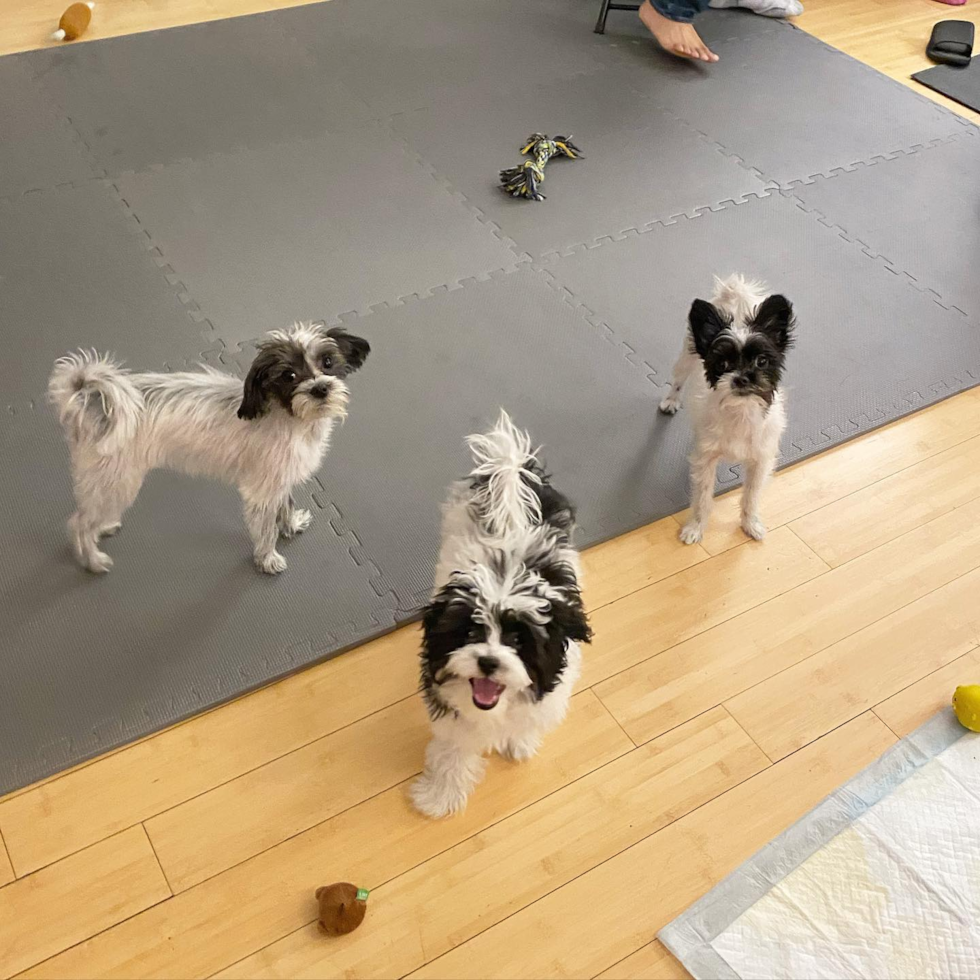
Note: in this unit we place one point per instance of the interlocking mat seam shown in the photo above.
(211, 334)
(204, 325)
(915, 400)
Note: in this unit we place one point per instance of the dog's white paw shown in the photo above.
(670, 404)
(271, 564)
(435, 798)
(753, 527)
(297, 522)
(98, 562)
(692, 532)
(522, 749)
(110, 529)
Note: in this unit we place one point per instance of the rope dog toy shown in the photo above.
(524, 180)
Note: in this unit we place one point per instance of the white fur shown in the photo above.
(501, 455)
(120, 425)
(454, 759)
(727, 426)
(502, 519)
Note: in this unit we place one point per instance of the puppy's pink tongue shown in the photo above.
(485, 691)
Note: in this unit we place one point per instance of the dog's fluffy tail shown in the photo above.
(97, 402)
(739, 296)
(506, 478)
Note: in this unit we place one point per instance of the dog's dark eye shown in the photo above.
(288, 376)
(327, 362)
(761, 360)
(474, 635)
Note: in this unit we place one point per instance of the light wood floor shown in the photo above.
(730, 688)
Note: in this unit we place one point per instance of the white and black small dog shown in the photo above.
(733, 358)
(264, 438)
(500, 649)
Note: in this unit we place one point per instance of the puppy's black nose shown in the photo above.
(487, 664)
(739, 381)
(320, 390)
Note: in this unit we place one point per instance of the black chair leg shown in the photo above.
(607, 5)
(600, 24)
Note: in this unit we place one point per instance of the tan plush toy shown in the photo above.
(74, 21)
(342, 907)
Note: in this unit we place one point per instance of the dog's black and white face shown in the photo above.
(302, 370)
(743, 358)
(493, 636)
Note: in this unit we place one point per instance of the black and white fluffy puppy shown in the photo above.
(733, 359)
(264, 437)
(500, 649)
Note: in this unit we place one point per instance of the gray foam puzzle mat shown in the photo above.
(798, 113)
(41, 150)
(625, 137)
(853, 316)
(170, 196)
(439, 50)
(356, 224)
(640, 458)
(89, 662)
(937, 248)
(120, 94)
(961, 83)
(77, 272)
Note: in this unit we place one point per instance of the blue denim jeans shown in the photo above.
(682, 10)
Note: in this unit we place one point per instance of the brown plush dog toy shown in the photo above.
(342, 907)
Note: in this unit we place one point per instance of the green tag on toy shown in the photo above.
(362, 894)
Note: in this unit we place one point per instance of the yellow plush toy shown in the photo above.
(966, 704)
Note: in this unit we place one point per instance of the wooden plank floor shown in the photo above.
(731, 686)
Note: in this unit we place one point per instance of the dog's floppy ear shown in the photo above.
(256, 395)
(569, 615)
(568, 622)
(775, 319)
(445, 623)
(447, 612)
(706, 322)
(354, 349)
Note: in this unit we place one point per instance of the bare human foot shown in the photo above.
(674, 36)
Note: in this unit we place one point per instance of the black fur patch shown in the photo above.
(353, 350)
(280, 366)
(448, 623)
(543, 649)
(707, 322)
(774, 319)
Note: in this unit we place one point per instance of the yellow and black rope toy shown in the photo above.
(524, 180)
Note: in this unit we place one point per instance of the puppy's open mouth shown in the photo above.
(486, 693)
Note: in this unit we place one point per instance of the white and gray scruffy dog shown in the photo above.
(500, 649)
(733, 356)
(264, 437)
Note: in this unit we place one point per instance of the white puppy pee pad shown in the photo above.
(881, 880)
